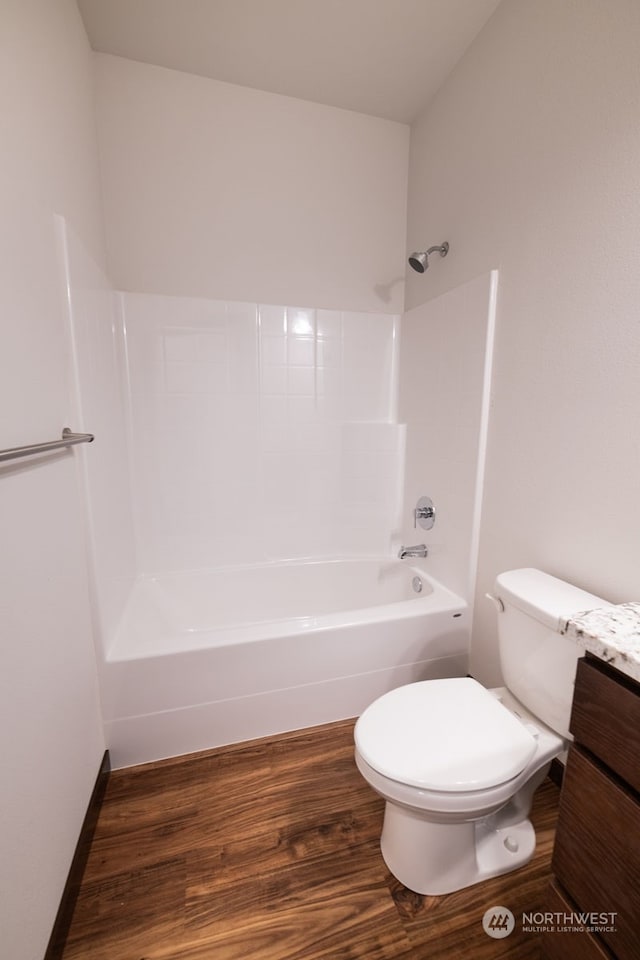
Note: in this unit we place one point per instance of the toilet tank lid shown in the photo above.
(545, 598)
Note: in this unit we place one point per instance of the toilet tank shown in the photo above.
(538, 661)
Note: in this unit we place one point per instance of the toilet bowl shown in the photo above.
(458, 764)
(467, 800)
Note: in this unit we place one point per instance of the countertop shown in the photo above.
(611, 633)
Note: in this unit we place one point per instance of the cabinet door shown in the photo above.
(568, 946)
(596, 855)
(606, 719)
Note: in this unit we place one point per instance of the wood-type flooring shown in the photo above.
(269, 850)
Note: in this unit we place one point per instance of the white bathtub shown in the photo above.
(211, 657)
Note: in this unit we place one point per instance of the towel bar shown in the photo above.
(69, 438)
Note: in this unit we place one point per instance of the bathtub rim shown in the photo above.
(125, 648)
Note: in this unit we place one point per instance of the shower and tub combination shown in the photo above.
(248, 572)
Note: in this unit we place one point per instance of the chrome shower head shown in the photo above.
(420, 261)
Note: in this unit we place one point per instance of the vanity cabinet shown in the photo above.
(596, 857)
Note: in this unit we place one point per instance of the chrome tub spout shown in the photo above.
(419, 550)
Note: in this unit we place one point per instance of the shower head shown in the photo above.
(420, 261)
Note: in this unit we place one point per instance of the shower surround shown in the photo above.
(259, 432)
(238, 442)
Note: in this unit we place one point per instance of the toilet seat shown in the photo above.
(445, 735)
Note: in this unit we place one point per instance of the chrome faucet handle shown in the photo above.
(424, 513)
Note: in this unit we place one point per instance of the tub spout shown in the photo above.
(419, 550)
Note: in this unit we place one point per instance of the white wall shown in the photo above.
(260, 432)
(529, 160)
(50, 730)
(219, 191)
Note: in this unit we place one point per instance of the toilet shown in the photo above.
(458, 764)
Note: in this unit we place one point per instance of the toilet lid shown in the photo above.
(448, 735)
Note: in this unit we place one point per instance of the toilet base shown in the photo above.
(438, 858)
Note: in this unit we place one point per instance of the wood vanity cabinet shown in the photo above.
(596, 856)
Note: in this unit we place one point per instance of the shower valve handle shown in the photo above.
(424, 513)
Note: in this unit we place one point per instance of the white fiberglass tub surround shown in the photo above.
(213, 657)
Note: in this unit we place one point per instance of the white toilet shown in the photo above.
(458, 764)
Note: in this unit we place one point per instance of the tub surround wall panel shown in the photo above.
(444, 379)
(51, 737)
(217, 190)
(260, 431)
(100, 409)
(529, 159)
(193, 381)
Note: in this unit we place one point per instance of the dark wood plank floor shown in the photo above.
(270, 851)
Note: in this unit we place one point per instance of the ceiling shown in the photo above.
(382, 57)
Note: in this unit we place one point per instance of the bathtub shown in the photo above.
(212, 657)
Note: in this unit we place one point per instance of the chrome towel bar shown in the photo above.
(69, 438)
